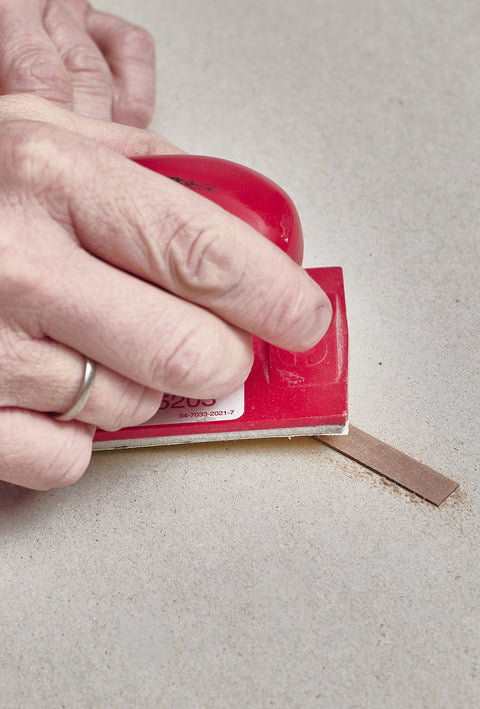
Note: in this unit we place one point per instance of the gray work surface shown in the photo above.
(277, 573)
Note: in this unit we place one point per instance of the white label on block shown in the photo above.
(180, 409)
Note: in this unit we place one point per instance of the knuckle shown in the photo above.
(40, 71)
(184, 365)
(29, 150)
(203, 361)
(83, 58)
(199, 259)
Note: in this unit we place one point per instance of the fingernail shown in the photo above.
(319, 323)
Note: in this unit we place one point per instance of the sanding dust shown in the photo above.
(393, 465)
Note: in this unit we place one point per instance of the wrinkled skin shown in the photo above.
(100, 257)
(79, 58)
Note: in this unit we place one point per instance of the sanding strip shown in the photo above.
(392, 464)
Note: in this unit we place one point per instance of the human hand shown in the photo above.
(88, 61)
(102, 258)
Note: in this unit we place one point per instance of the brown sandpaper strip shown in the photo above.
(392, 464)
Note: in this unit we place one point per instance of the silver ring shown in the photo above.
(83, 394)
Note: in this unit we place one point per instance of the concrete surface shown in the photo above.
(277, 573)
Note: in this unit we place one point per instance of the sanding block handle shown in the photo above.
(244, 192)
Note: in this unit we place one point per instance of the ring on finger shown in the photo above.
(83, 393)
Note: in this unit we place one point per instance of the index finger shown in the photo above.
(158, 230)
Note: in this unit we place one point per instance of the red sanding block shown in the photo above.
(286, 393)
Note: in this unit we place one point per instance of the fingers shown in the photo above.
(29, 61)
(90, 76)
(61, 292)
(158, 230)
(105, 259)
(40, 453)
(130, 53)
(44, 376)
(84, 60)
(123, 139)
(132, 328)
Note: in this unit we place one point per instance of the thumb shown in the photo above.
(123, 139)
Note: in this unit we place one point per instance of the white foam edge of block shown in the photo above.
(329, 430)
